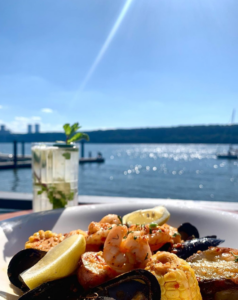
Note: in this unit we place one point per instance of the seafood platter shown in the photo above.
(142, 254)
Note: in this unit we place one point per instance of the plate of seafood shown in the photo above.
(120, 252)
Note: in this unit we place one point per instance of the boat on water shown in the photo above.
(232, 153)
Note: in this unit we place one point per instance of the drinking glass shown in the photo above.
(55, 175)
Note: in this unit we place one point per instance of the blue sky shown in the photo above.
(171, 62)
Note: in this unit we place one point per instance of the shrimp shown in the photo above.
(158, 235)
(97, 233)
(111, 219)
(93, 270)
(125, 250)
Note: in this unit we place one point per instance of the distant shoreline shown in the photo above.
(209, 134)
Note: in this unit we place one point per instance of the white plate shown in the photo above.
(15, 232)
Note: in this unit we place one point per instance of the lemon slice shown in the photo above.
(158, 215)
(59, 262)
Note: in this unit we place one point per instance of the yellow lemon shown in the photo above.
(59, 262)
(158, 215)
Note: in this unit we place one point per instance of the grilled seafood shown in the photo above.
(20, 262)
(93, 270)
(188, 248)
(111, 219)
(142, 285)
(125, 250)
(188, 231)
(135, 285)
(217, 272)
(158, 235)
(98, 232)
(113, 249)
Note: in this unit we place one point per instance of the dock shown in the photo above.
(9, 165)
(91, 160)
(14, 161)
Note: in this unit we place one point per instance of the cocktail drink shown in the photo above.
(55, 175)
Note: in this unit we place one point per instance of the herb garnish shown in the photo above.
(236, 257)
(120, 219)
(153, 225)
(135, 237)
(72, 135)
(176, 234)
(146, 256)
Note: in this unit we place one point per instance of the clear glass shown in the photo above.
(55, 175)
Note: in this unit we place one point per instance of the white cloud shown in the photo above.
(22, 119)
(19, 124)
(35, 118)
(47, 110)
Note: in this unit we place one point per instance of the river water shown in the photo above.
(146, 170)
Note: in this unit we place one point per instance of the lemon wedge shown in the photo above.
(59, 262)
(158, 215)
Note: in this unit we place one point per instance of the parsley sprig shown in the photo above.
(236, 257)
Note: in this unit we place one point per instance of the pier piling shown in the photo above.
(15, 153)
(22, 149)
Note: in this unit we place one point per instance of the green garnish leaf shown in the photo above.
(66, 155)
(75, 127)
(72, 135)
(120, 219)
(135, 237)
(77, 137)
(67, 129)
(153, 225)
(146, 256)
(236, 257)
(150, 231)
(176, 234)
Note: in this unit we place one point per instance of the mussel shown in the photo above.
(137, 284)
(188, 231)
(188, 248)
(64, 288)
(20, 262)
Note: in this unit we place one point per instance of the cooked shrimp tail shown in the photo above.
(125, 251)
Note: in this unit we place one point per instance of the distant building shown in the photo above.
(3, 130)
(37, 128)
(29, 128)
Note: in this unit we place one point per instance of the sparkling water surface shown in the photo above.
(175, 171)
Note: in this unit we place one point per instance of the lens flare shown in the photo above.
(105, 46)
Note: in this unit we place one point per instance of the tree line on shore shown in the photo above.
(216, 134)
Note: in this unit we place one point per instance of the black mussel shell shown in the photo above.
(20, 262)
(188, 231)
(95, 297)
(188, 248)
(138, 284)
(66, 288)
